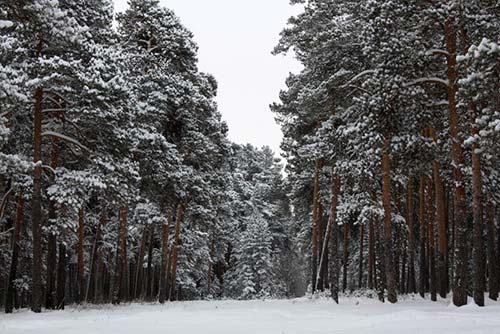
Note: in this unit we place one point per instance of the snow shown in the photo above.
(354, 315)
(6, 24)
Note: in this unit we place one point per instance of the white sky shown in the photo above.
(235, 39)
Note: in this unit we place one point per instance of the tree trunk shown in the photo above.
(149, 277)
(345, 257)
(179, 218)
(492, 259)
(431, 242)
(389, 261)
(61, 277)
(461, 251)
(210, 266)
(371, 256)
(50, 292)
(411, 238)
(36, 206)
(90, 292)
(423, 272)
(361, 251)
(441, 224)
(11, 291)
(477, 213)
(139, 265)
(81, 266)
(334, 236)
(164, 258)
(119, 281)
(315, 226)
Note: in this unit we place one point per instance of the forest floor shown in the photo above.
(353, 315)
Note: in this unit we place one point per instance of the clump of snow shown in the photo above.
(6, 24)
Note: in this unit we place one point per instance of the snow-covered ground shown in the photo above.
(354, 315)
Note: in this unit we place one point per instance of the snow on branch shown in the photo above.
(356, 77)
(438, 52)
(65, 138)
(427, 80)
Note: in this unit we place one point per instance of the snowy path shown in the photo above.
(262, 317)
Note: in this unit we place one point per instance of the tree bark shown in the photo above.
(11, 291)
(315, 226)
(345, 258)
(371, 256)
(423, 272)
(138, 286)
(149, 276)
(81, 267)
(441, 224)
(461, 251)
(361, 251)
(334, 237)
(431, 242)
(492, 259)
(179, 218)
(164, 259)
(389, 260)
(36, 206)
(119, 281)
(61, 277)
(50, 292)
(411, 237)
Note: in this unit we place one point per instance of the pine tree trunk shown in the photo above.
(389, 261)
(81, 266)
(361, 251)
(61, 277)
(210, 267)
(119, 281)
(50, 292)
(380, 275)
(11, 291)
(371, 256)
(149, 282)
(492, 259)
(411, 238)
(477, 213)
(164, 259)
(431, 242)
(321, 227)
(36, 206)
(315, 226)
(138, 286)
(345, 257)
(423, 272)
(179, 218)
(91, 285)
(461, 251)
(334, 236)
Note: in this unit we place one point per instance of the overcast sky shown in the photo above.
(235, 39)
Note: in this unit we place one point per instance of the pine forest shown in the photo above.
(119, 183)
